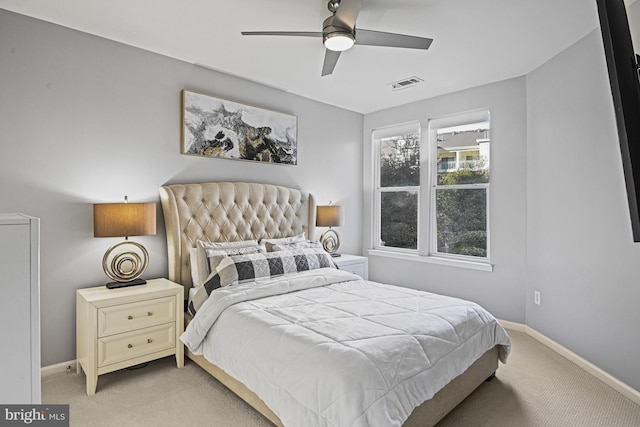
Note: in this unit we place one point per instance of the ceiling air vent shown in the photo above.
(405, 83)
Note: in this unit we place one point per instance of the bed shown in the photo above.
(320, 376)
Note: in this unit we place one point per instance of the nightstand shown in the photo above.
(353, 264)
(118, 328)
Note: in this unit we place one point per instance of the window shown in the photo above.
(398, 189)
(432, 188)
(460, 191)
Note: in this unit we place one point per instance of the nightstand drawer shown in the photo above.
(136, 315)
(127, 346)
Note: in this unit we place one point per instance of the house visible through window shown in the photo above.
(460, 189)
(432, 188)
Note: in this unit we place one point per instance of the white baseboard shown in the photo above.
(619, 386)
(59, 368)
(518, 327)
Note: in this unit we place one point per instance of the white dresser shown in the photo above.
(20, 309)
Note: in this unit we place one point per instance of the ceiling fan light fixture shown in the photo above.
(339, 41)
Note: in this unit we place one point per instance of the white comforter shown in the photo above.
(326, 348)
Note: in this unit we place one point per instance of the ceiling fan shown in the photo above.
(339, 33)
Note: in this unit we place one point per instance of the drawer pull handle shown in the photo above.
(149, 341)
(148, 314)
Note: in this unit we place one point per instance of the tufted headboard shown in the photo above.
(229, 211)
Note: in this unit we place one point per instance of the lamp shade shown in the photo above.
(328, 216)
(124, 219)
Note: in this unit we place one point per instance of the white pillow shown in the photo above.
(292, 246)
(195, 271)
(228, 245)
(269, 243)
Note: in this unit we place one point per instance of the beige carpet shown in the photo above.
(536, 388)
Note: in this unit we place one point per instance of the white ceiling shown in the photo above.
(475, 41)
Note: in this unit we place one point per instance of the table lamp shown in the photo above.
(124, 262)
(329, 216)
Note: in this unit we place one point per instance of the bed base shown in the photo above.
(428, 414)
(433, 410)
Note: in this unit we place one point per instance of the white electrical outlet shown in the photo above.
(536, 297)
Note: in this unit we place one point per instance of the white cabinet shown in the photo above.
(20, 309)
(354, 264)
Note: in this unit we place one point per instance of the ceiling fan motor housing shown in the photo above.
(328, 27)
(332, 31)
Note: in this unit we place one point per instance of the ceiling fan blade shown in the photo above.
(347, 13)
(330, 60)
(379, 38)
(283, 33)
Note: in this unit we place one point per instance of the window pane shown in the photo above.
(399, 219)
(400, 161)
(461, 221)
(463, 154)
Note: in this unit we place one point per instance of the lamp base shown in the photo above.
(125, 261)
(336, 254)
(115, 285)
(330, 241)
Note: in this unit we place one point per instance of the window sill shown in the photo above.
(472, 265)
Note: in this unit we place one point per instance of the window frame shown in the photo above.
(426, 192)
(433, 126)
(387, 132)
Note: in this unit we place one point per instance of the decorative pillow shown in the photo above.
(215, 256)
(269, 243)
(237, 269)
(247, 268)
(293, 245)
(202, 270)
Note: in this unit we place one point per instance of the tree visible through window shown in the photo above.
(399, 185)
(453, 184)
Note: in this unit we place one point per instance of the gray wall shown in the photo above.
(86, 120)
(500, 291)
(579, 248)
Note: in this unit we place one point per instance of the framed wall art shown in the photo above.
(214, 127)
